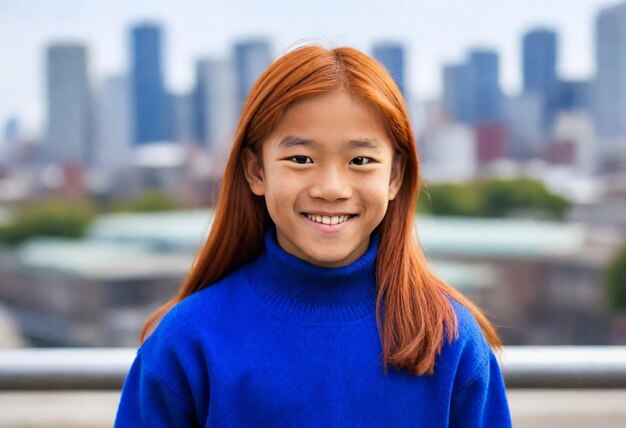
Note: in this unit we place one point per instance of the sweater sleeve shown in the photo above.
(482, 401)
(147, 401)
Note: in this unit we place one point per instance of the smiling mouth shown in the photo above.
(328, 220)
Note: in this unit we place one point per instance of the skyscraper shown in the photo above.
(251, 58)
(8, 141)
(182, 106)
(148, 97)
(610, 86)
(215, 102)
(539, 56)
(69, 105)
(456, 92)
(575, 95)
(471, 90)
(523, 115)
(113, 123)
(485, 96)
(391, 55)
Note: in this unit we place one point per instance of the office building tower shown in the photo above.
(113, 116)
(215, 102)
(149, 101)
(485, 96)
(456, 92)
(523, 115)
(391, 55)
(182, 107)
(252, 57)
(68, 105)
(575, 95)
(8, 143)
(539, 57)
(609, 96)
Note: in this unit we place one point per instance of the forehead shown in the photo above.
(331, 117)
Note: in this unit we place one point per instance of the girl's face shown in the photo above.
(327, 173)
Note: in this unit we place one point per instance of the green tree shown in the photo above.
(48, 218)
(424, 203)
(615, 279)
(451, 200)
(150, 201)
(491, 198)
(501, 197)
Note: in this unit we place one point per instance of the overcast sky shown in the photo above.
(435, 32)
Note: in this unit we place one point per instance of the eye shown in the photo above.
(361, 160)
(301, 159)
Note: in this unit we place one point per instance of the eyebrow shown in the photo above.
(291, 141)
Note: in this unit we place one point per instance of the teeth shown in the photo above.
(327, 220)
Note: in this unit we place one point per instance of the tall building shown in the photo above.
(215, 102)
(456, 92)
(610, 86)
(523, 115)
(539, 57)
(471, 90)
(575, 95)
(9, 141)
(113, 117)
(149, 101)
(485, 96)
(68, 104)
(391, 55)
(252, 57)
(182, 105)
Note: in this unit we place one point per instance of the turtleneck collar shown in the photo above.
(298, 289)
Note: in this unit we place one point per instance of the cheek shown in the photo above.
(282, 192)
(376, 186)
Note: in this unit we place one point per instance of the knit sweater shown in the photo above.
(283, 343)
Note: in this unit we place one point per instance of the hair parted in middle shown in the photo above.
(414, 313)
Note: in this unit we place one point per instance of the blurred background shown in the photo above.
(116, 119)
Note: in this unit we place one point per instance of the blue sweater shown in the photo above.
(283, 343)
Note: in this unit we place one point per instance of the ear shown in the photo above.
(397, 174)
(253, 170)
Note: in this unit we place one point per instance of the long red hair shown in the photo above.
(417, 316)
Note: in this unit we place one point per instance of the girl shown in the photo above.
(312, 303)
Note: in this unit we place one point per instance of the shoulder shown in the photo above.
(469, 332)
(179, 349)
(207, 302)
(195, 318)
(468, 354)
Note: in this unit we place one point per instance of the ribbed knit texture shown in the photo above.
(284, 343)
(299, 290)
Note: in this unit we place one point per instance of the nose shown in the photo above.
(331, 184)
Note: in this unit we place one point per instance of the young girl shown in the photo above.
(312, 303)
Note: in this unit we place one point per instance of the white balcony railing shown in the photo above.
(549, 367)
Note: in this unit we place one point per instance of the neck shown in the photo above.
(312, 293)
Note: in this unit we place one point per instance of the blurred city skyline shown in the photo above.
(434, 34)
(520, 128)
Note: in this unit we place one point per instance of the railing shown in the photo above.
(105, 369)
